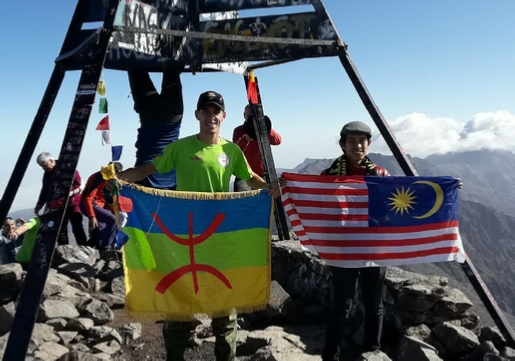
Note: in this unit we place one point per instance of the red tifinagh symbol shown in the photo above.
(191, 242)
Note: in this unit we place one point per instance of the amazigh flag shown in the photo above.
(191, 253)
(372, 221)
(103, 125)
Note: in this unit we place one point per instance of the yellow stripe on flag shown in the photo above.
(180, 302)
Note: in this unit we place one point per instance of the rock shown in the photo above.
(80, 356)
(469, 320)
(104, 334)
(257, 340)
(132, 331)
(110, 270)
(435, 293)
(494, 357)
(80, 324)
(80, 272)
(75, 254)
(57, 309)
(479, 353)
(117, 286)
(6, 317)
(271, 354)
(454, 304)
(374, 356)
(96, 310)
(55, 283)
(109, 347)
(492, 334)
(43, 333)
(508, 352)
(50, 351)
(421, 332)
(415, 303)
(411, 348)
(57, 323)
(10, 281)
(113, 301)
(79, 347)
(67, 336)
(280, 306)
(455, 339)
(72, 294)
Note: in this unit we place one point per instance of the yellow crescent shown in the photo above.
(438, 202)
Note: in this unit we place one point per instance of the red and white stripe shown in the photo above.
(330, 217)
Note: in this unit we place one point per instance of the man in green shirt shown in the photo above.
(203, 162)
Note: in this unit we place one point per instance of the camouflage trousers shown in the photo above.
(176, 335)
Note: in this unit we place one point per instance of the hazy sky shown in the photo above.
(442, 72)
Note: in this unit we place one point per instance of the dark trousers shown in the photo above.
(153, 107)
(74, 216)
(102, 236)
(160, 116)
(176, 335)
(371, 282)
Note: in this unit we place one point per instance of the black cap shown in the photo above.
(210, 98)
(356, 127)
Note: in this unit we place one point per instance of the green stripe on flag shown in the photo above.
(223, 251)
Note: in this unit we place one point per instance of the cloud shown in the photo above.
(421, 135)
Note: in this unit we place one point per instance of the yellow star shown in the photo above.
(402, 201)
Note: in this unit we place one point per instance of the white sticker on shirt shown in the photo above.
(223, 159)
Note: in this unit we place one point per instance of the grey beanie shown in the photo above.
(356, 127)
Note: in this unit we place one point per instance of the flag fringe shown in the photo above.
(154, 316)
(193, 195)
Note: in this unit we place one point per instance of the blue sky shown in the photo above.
(434, 68)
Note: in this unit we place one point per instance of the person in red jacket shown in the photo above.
(72, 213)
(245, 136)
(102, 223)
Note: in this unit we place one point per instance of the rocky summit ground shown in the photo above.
(81, 316)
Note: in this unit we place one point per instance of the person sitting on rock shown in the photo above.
(72, 212)
(9, 242)
(245, 136)
(355, 138)
(102, 222)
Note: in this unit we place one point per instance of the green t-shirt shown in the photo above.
(203, 167)
(29, 239)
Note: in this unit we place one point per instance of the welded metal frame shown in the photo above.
(91, 61)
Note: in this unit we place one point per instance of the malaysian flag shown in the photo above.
(370, 221)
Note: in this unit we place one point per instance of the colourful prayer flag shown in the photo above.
(375, 221)
(102, 106)
(103, 124)
(116, 152)
(190, 253)
(252, 94)
(101, 88)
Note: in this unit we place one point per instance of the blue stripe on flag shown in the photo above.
(240, 213)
